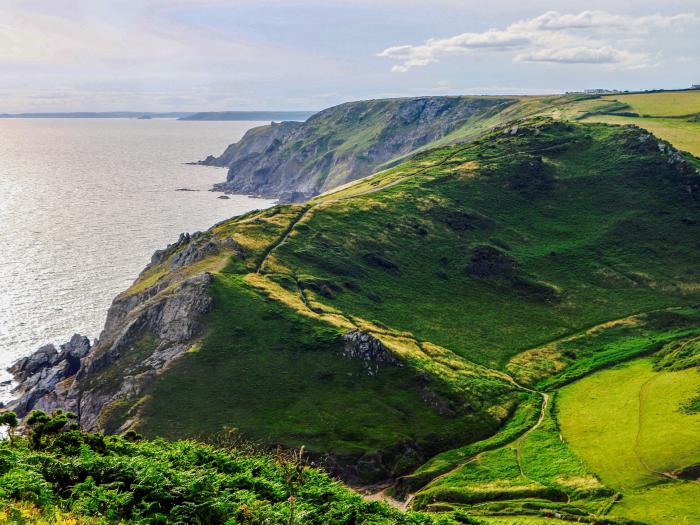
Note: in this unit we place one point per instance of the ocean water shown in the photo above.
(83, 205)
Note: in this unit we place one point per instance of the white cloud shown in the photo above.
(589, 37)
(583, 55)
(553, 20)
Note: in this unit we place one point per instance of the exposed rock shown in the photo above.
(193, 253)
(370, 350)
(70, 378)
(26, 367)
(223, 197)
(40, 373)
(192, 248)
(160, 255)
(294, 161)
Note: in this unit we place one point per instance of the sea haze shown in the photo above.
(83, 205)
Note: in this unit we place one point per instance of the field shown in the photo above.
(682, 133)
(626, 423)
(663, 104)
(671, 115)
(534, 471)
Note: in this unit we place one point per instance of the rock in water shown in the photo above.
(39, 374)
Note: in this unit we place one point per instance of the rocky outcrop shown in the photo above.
(295, 161)
(39, 374)
(143, 334)
(192, 248)
(368, 349)
(254, 141)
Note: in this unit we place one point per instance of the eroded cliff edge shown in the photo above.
(294, 161)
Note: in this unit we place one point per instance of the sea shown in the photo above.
(83, 205)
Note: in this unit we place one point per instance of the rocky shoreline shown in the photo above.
(156, 325)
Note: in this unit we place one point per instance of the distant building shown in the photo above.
(695, 86)
(600, 91)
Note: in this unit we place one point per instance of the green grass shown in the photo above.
(537, 466)
(626, 424)
(563, 235)
(675, 504)
(281, 378)
(664, 104)
(525, 416)
(682, 133)
(563, 361)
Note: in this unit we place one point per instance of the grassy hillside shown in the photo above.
(629, 425)
(671, 115)
(482, 276)
(682, 133)
(295, 161)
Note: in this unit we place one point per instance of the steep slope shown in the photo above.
(295, 161)
(378, 323)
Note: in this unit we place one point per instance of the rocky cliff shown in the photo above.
(294, 161)
(144, 332)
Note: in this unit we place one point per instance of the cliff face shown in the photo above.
(295, 161)
(144, 332)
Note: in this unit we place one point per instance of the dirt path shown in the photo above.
(521, 439)
(282, 239)
(380, 495)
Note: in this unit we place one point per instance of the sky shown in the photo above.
(210, 55)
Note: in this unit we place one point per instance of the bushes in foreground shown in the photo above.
(125, 479)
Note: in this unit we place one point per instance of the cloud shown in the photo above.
(588, 37)
(583, 55)
(553, 20)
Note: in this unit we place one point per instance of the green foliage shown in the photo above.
(684, 353)
(9, 419)
(182, 482)
(280, 377)
(44, 428)
(670, 334)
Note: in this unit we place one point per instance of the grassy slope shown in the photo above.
(663, 104)
(344, 134)
(279, 378)
(683, 134)
(563, 361)
(532, 237)
(572, 224)
(626, 425)
(572, 240)
(671, 116)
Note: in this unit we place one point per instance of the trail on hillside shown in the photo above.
(377, 493)
(281, 239)
(637, 446)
